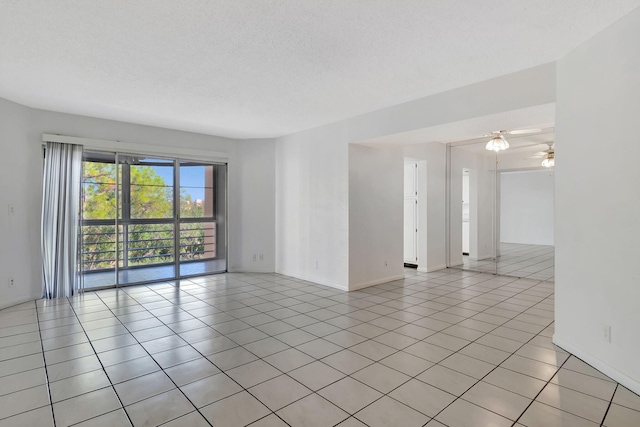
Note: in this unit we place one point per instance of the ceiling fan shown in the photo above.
(498, 141)
(548, 155)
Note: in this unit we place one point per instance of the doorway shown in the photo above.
(411, 214)
(465, 212)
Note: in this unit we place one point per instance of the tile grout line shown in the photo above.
(538, 394)
(604, 417)
(161, 368)
(205, 357)
(372, 339)
(456, 352)
(101, 365)
(363, 297)
(44, 361)
(364, 322)
(223, 371)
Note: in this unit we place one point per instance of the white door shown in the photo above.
(465, 212)
(411, 213)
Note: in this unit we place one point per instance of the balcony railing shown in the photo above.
(145, 244)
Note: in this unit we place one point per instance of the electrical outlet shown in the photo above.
(606, 332)
(254, 257)
(11, 210)
(11, 282)
(261, 257)
(386, 264)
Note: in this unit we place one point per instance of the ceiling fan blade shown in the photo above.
(524, 131)
(537, 156)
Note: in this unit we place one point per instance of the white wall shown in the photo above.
(376, 188)
(255, 208)
(598, 201)
(527, 88)
(312, 206)
(21, 138)
(20, 183)
(526, 207)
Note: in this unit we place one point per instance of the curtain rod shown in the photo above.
(138, 148)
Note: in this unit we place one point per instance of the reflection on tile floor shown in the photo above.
(518, 260)
(452, 348)
(152, 273)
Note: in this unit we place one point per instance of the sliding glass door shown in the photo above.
(202, 219)
(149, 219)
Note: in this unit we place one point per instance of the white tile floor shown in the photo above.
(518, 260)
(450, 348)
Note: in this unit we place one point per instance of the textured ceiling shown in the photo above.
(265, 68)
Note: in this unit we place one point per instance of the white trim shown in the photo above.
(11, 303)
(375, 282)
(313, 280)
(481, 258)
(242, 269)
(601, 366)
(432, 269)
(447, 208)
(138, 148)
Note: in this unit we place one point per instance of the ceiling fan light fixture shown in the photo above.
(497, 143)
(549, 161)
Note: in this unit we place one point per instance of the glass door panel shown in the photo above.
(97, 227)
(472, 212)
(151, 184)
(202, 218)
(147, 241)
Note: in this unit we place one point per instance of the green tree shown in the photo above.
(151, 197)
(99, 182)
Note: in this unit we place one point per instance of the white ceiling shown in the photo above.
(267, 68)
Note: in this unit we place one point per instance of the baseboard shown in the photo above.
(313, 280)
(432, 269)
(598, 364)
(375, 282)
(481, 258)
(11, 303)
(251, 270)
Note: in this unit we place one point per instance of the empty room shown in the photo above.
(318, 213)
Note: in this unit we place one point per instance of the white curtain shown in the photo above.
(60, 220)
